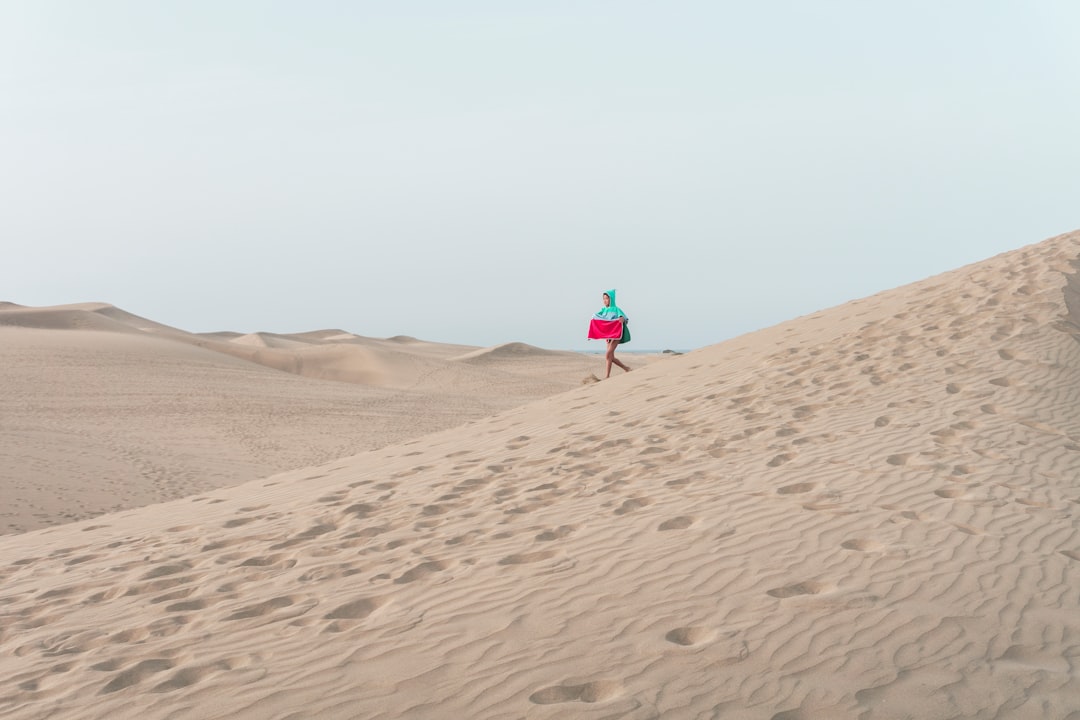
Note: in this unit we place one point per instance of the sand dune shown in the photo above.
(269, 340)
(222, 335)
(136, 321)
(61, 318)
(868, 512)
(102, 410)
(512, 350)
(80, 316)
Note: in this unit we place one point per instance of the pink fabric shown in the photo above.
(605, 329)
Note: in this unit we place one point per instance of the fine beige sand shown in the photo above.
(102, 410)
(869, 512)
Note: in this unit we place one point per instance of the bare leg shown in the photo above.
(610, 357)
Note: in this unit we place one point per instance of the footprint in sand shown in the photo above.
(188, 676)
(862, 545)
(590, 692)
(804, 412)
(422, 570)
(796, 488)
(632, 504)
(810, 587)
(465, 538)
(947, 436)
(67, 643)
(524, 558)
(110, 594)
(687, 636)
(137, 673)
(544, 486)
(356, 609)
(129, 636)
(174, 595)
(780, 459)
(312, 532)
(276, 561)
(359, 511)
(676, 523)
(556, 533)
(263, 608)
(163, 570)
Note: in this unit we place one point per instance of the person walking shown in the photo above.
(610, 324)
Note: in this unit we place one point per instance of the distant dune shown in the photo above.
(269, 340)
(508, 351)
(105, 410)
(868, 512)
(63, 317)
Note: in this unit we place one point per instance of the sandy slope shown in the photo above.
(102, 410)
(870, 512)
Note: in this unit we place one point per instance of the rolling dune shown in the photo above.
(507, 351)
(102, 410)
(868, 512)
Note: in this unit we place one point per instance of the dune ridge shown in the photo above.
(507, 350)
(867, 512)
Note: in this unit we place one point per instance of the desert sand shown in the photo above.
(102, 410)
(868, 512)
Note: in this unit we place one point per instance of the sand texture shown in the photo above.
(869, 512)
(102, 410)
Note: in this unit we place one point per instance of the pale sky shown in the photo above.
(479, 172)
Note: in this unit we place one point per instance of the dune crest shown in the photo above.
(867, 512)
(514, 350)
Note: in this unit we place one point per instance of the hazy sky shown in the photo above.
(479, 172)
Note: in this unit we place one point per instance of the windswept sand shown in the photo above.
(869, 512)
(102, 410)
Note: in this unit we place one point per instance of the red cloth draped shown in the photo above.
(605, 329)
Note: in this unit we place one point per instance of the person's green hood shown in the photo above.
(613, 310)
